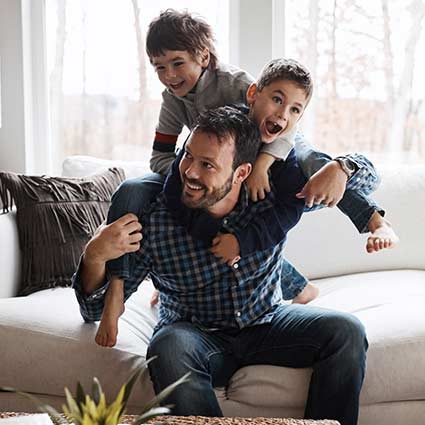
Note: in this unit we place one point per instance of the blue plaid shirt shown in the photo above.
(194, 285)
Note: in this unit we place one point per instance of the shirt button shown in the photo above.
(238, 313)
(236, 266)
(225, 221)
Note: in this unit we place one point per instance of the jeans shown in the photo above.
(333, 343)
(355, 203)
(132, 196)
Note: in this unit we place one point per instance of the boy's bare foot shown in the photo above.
(114, 307)
(309, 293)
(383, 235)
(155, 298)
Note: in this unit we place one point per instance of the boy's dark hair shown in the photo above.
(286, 69)
(229, 121)
(174, 30)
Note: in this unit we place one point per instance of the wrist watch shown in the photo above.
(349, 167)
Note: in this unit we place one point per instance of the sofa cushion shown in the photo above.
(56, 216)
(45, 329)
(49, 346)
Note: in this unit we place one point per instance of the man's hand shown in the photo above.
(325, 187)
(258, 181)
(226, 247)
(114, 240)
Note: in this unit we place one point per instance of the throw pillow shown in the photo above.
(56, 216)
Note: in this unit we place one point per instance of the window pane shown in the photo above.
(104, 96)
(367, 62)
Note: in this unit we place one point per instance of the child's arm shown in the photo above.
(172, 118)
(270, 226)
(258, 182)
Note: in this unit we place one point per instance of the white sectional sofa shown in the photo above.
(45, 345)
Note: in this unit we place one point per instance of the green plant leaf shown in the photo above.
(152, 413)
(132, 380)
(55, 416)
(164, 394)
(79, 394)
(96, 390)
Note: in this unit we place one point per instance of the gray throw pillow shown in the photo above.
(56, 216)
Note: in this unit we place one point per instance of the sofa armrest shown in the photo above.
(10, 255)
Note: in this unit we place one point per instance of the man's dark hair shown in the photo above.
(286, 69)
(229, 121)
(174, 30)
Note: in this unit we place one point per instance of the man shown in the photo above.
(216, 318)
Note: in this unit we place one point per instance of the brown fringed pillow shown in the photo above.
(56, 216)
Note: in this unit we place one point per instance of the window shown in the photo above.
(104, 94)
(368, 67)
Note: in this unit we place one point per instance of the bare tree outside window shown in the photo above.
(104, 94)
(367, 62)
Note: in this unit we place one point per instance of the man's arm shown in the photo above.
(109, 242)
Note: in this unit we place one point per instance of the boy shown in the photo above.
(181, 49)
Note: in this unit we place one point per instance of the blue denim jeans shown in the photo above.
(332, 343)
(355, 204)
(132, 196)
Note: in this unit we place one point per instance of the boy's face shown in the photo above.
(276, 108)
(179, 71)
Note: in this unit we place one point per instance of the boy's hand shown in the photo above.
(226, 247)
(258, 181)
(325, 187)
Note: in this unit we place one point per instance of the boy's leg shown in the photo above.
(107, 332)
(295, 286)
(309, 293)
(333, 343)
(132, 196)
(364, 213)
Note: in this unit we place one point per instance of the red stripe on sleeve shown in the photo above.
(165, 138)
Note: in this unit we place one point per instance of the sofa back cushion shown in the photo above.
(325, 243)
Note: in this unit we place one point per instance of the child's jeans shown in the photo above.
(132, 196)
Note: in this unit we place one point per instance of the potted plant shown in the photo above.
(86, 409)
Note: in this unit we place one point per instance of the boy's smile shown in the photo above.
(179, 71)
(276, 108)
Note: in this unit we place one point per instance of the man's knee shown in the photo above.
(174, 346)
(348, 336)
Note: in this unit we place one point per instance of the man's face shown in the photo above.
(276, 108)
(206, 170)
(178, 70)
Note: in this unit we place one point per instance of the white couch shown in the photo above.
(44, 344)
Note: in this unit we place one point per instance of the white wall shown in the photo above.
(12, 131)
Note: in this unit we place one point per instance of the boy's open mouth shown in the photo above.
(273, 127)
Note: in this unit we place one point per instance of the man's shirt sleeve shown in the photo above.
(271, 226)
(91, 306)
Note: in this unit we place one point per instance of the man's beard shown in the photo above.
(209, 198)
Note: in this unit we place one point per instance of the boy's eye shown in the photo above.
(277, 99)
(187, 155)
(178, 63)
(159, 68)
(207, 165)
(295, 110)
